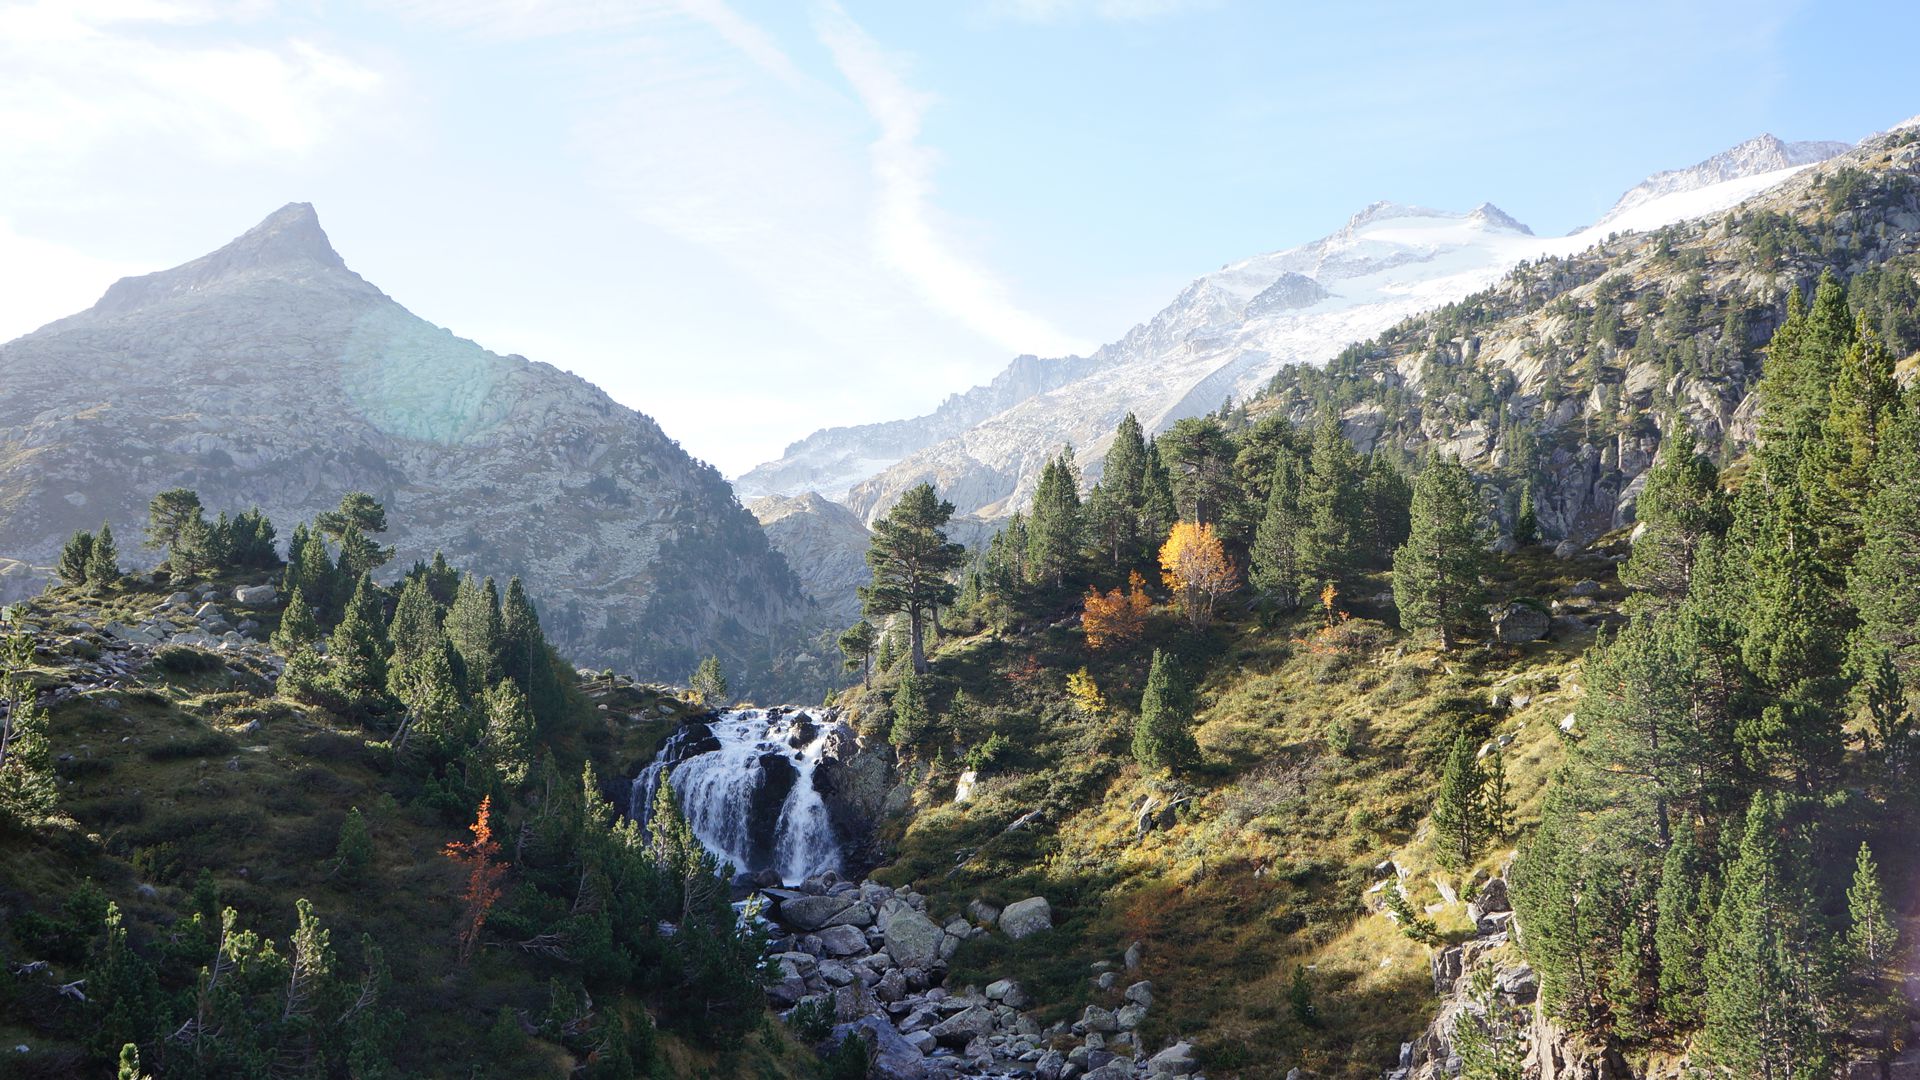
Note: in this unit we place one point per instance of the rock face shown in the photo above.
(269, 374)
(1226, 336)
(825, 543)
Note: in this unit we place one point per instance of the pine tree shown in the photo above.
(912, 716)
(1275, 569)
(1053, 530)
(1386, 501)
(1199, 461)
(1330, 503)
(358, 649)
(911, 560)
(1163, 735)
(1115, 506)
(1526, 525)
(353, 852)
(527, 659)
(1762, 986)
(1157, 508)
(856, 646)
(1893, 728)
(1459, 809)
(1795, 646)
(510, 733)
(1680, 930)
(427, 686)
(130, 1064)
(75, 556)
(1681, 506)
(1436, 573)
(312, 572)
(415, 627)
(1883, 582)
(27, 793)
(474, 628)
(709, 684)
(297, 626)
(122, 990)
(1496, 800)
(359, 556)
(1873, 934)
(175, 525)
(103, 562)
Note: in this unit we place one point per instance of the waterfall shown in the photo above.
(745, 782)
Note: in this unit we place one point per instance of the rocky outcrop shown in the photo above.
(877, 959)
(825, 544)
(269, 374)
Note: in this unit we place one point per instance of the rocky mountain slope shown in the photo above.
(1566, 374)
(1227, 334)
(269, 374)
(827, 546)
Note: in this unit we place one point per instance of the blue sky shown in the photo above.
(752, 219)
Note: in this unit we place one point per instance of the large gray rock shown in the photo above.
(809, 913)
(895, 1056)
(912, 939)
(253, 595)
(1024, 918)
(843, 941)
(1520, 622)
(1174, 1060)
(964, 1026)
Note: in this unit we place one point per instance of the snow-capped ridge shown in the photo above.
(1759, 156)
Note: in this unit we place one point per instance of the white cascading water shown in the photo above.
(728, 784)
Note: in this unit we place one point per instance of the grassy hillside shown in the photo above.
(185, 785)
(1321, 751)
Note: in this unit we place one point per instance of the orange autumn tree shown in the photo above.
(1196, 568)
(1117, 617)
(480, 857)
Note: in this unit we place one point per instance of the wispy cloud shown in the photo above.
(83, 73)
(906, 231)
(700, 122)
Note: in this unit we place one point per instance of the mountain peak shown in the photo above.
(1489, 214)
(288, 244)
(1758, 156)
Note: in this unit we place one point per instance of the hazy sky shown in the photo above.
(751, 220)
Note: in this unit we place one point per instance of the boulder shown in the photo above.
(858, 913)
(1132, 957)
(964, 1026)
(1130, 1016)
(1009, 993)
(1024, 918)
(1520, 622)
(843, 941)
(1140, 993)
(1097, 1019)
(810, 913)
(1174, 1060)
(982, 912)
(1491, 900)
(912, 939)
(1585, 587)
(253, 595)
(895, 1056)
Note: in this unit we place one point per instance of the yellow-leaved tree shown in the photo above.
(1196, 568)
(1116, 617)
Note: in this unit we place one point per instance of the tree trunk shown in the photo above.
(914, 637)
(938, 633)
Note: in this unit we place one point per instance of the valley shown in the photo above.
(1435, 650)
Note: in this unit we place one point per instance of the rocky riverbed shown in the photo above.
(876, 958)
